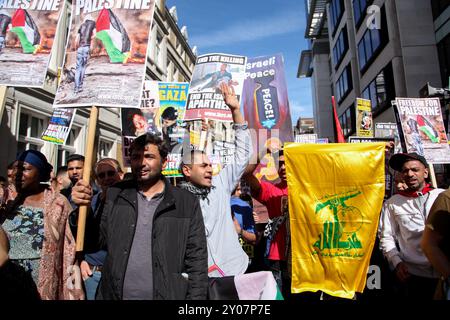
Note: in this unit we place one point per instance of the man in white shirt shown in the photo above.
(402, 224)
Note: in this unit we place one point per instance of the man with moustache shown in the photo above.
(402, 225)
(225, 254)
(153, 232)
(75, 167)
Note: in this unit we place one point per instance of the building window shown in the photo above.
(443, 48)
(371, 44)
(344, 84)
(72, 142)
(336, 10)
(169, 70)
(380, 90)
(158, 49)
(368, 47)
(340, 48)
(438, 7)
(179, 47)
(346, 121)
(343, 122)
(104, 149)
(31, 126)
(359, 10)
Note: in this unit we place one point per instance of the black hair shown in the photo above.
(170, 113)
(140, 142)
(3, 179)
(188, 157)
(247, 198)
(11, 165)
(130, 115)
(61, 170)
(75, 157)
(128, 176)
(132, 112)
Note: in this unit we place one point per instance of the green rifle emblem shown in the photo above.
(347, 220)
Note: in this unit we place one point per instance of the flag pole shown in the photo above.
(89, 156)
(339, 134)
(3, 91)
(203, 137)
(432, 176)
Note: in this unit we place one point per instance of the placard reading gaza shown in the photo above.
(27, 34)
(106, 53)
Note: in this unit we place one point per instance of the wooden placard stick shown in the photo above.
(89, 156)
(432, 176)
(3, 90)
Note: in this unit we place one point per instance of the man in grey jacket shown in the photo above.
(225, 254)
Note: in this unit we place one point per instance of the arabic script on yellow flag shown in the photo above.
(335, 198)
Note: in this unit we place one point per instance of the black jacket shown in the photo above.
(178, 244)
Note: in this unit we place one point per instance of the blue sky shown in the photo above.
(252, 28)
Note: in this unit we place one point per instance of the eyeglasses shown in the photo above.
(109, 173)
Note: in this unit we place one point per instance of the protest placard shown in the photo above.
(106, 54)
(205, 100)
(172, 101)
(306, 138)
(364, 123)
(389, 130)
(59, 126)
(266, 108)
(27, 34)
(423, 128)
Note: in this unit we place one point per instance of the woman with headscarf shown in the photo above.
(42, 248)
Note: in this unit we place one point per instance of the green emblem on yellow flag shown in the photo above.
(335, 196)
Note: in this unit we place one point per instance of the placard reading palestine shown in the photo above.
(423, 128)
(27, 34)
(106, 54)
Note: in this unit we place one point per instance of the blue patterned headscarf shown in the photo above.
(38, 160)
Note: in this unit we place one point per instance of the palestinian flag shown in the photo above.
(113, 35)
(427, 127)
(26, 30)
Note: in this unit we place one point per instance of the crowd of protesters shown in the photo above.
(146, 239)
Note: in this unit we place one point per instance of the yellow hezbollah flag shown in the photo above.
(335, 197)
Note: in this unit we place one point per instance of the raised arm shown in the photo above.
(232, 173)
(232, 102)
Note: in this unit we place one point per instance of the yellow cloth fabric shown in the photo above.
(335, 198)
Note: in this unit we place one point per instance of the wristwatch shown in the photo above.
(242, 126)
